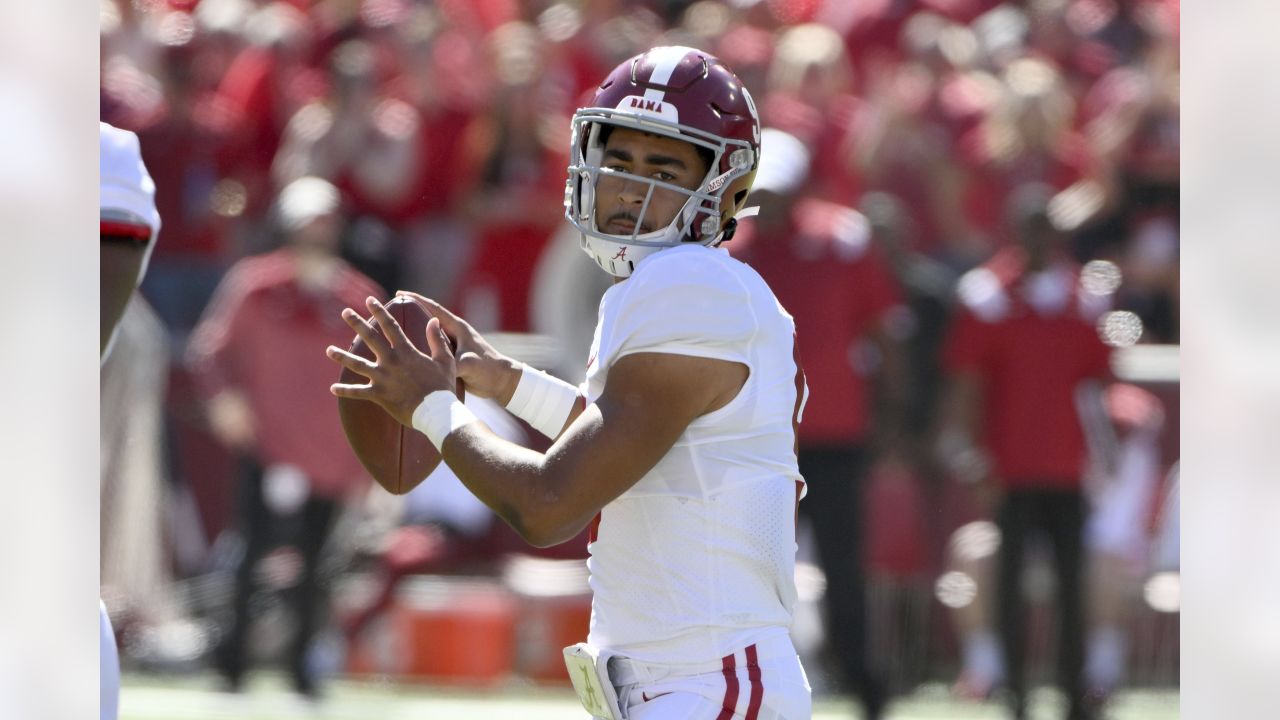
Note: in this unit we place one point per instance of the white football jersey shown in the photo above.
(698, 557)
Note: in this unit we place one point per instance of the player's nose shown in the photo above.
(632, 192)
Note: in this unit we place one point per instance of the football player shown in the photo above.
(678, 451)
(129, 223)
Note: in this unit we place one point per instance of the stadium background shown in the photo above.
(476, 96)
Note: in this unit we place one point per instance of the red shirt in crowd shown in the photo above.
(1029, 363)
(265, 336)
(826, 273)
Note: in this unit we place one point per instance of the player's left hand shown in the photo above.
(400, 375)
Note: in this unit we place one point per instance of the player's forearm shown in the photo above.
(527, 489)
(579, 404)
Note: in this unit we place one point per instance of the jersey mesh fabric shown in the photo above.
(697, 558)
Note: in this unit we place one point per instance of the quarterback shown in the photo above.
(678, 451)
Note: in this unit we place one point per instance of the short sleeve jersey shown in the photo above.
(1030, 365)
(698, 557)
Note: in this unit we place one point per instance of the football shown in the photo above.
(398, 457)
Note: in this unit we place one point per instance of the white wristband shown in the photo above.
(543, 401)
(439, 414)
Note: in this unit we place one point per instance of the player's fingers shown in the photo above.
(390, 328)
(352, 362)
(452, 323)
(356, 392)
(367, 332)
(437, 341)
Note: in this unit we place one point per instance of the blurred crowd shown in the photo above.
(443, 125)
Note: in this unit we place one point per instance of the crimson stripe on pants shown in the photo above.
(730, 688)
(757, 687)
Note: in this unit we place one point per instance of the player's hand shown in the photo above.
(486, 372)
(400, 375)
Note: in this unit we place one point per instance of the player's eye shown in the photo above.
(664, 176)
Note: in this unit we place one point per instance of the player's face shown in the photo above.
(619, 200)
(321, 235)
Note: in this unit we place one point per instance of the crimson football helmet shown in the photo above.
(680, 93)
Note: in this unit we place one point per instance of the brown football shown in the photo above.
(398, 457)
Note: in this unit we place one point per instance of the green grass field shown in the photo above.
(195, 698)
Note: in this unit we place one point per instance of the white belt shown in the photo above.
(626, 671)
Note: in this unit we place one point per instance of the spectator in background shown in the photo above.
(1131, 118)
(905, 143)
(1121, 502)
(927, 292)
(521, 160)
(1116, 535)
(810, 95)
(439, 71)
(1019, 355)
(819, 259)
(166, 95)
(1026, 138)
(266, 82)
(258, 355)
(370, 144)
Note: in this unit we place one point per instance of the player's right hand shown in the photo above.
(486, 372)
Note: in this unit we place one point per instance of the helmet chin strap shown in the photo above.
(731, 227)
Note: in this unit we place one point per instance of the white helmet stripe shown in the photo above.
(665, 60)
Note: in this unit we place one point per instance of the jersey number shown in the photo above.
(802, 389)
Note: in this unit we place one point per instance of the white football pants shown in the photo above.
(760, 682)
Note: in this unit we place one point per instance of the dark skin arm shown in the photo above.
(649, 400)
(120, 263)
